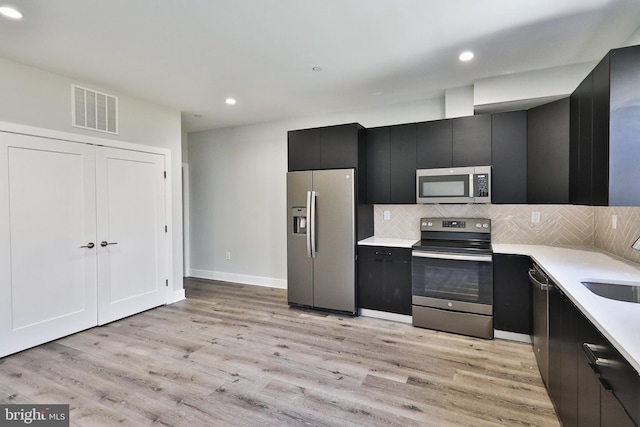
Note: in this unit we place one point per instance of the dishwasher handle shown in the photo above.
(534, 281)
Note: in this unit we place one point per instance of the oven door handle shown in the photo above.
(456, 257)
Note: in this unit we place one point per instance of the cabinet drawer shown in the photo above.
(385, 253)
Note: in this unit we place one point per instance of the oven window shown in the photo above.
(444, 186)
(469, 281)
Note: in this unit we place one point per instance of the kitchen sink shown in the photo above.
(620, 291)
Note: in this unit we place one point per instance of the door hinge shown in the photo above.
(166, 282)
(166, 229)
(165, 174)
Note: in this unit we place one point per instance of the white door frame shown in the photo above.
(186, 216)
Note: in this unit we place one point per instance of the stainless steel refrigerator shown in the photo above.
(321, 239)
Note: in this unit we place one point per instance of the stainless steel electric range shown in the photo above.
(452, 276)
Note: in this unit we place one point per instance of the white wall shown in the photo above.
(33, 97)
(238, 192)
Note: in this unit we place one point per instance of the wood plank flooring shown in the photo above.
(236, 355)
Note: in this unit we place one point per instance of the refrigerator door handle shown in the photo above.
(309, 224)
(312, 224)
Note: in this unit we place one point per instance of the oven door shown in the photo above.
(459, 282)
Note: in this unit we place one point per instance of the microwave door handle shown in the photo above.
(472, 194)
(313, 224)
(309, 222)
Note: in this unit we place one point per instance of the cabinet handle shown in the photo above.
(105, 243)
(89, 245)
(383, 253)
(591, 349)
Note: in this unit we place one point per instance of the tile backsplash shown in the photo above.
(627, 230)
(560, 225)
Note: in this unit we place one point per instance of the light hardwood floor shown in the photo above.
(235, 355)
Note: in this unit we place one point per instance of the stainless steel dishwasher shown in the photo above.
(540, 283)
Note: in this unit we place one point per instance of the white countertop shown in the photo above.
(569, 266)
(387, 241)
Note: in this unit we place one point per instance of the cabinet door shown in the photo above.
(611, 412)
(370, 282)
(397, 287)
(402, 141)
(472, 141)
(434, 142)
(131, 235)
(339, 147)
(588, 383)
(624, 108)
(509, 157)
(548, 153)
(512, 296)
(580, 185)
(47, 215)
(554, 386)
(304, 149)
(378, 166)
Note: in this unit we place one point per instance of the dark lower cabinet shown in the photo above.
(590, 383)
(384, 279)
(512, 295)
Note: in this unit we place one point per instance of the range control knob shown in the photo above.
(478, 225)
(430, 224)
(485, 225)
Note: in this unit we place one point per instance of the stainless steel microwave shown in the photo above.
(454, 185)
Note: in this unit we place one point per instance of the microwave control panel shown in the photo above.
(481, 185)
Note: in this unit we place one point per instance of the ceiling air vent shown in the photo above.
(94, 110)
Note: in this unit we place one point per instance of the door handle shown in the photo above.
(89, 245)
(105, 243)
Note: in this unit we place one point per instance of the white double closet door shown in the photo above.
(82, 237)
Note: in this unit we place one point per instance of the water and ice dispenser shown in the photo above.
(299, 220)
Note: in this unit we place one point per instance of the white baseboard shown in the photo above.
(402, 318)
(512, 336)
(268, 282)
(176, 296)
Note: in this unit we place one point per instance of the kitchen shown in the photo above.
(255, 243)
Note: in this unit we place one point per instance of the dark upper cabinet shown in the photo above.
(471, 141)
(402, 139)
(378, 165)
(512, 294)
(331, 147)
(605, 132)
(391, 164)
(304, 149)
(434, 144)
(509, 157)
(548, 153)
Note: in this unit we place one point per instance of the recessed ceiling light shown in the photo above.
(10, 12)
(465, 56)
(230, 101)
(317, 69)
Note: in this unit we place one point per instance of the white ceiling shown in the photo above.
(192, 54)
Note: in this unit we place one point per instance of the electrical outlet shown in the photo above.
(386, 215)
(614, 222)
(535, 217)
(227, 255)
